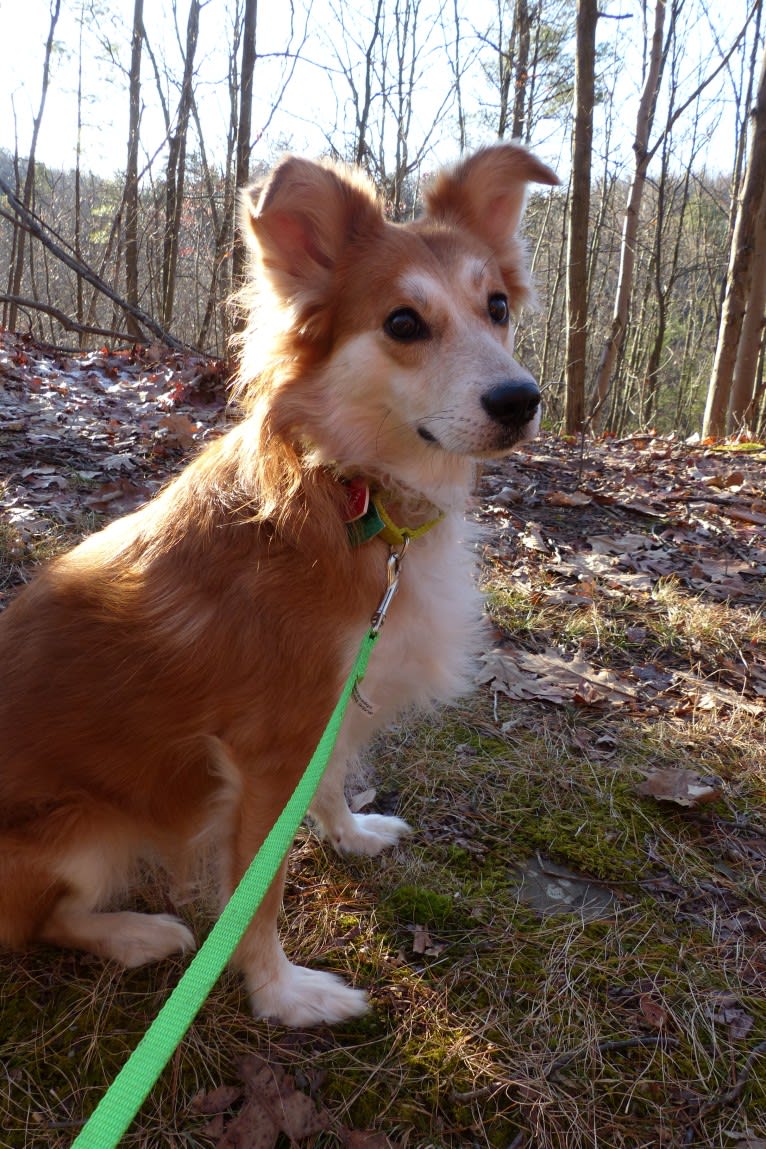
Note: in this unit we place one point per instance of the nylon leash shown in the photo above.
(128, 1091)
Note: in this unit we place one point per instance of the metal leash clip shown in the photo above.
(393, 569)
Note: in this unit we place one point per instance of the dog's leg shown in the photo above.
(128, 938)
(50, 894)
(351, 833)
(278, 989)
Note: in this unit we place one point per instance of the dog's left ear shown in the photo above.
(485, 194)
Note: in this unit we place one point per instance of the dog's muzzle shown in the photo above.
(513, 402)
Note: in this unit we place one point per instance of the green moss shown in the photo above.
(416, 906)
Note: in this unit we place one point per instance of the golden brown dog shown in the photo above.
(168, 679)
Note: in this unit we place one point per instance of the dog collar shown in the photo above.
(367, 518)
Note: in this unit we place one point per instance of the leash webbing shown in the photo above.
(126, 1094)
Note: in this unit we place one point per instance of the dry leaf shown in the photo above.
(684, 787)
(216, 1100)
(652, 1011)
(358, 1139)
(273, 1106)
(423, 943)
(179, 429)
(533, 539)
(568, 499)
(359, 801)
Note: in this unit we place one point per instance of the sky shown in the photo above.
(309, 111)
(313, 102)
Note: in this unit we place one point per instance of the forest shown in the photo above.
(649, 261)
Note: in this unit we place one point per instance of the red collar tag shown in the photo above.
(357, 499)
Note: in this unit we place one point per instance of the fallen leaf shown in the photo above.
(684, 787)
(273, 1105)
(533, 539)
(216, 1100)
(179, 429)
(422, 943)
(358, 1139)
(652, 1011)
(359, 801)
(568, 499)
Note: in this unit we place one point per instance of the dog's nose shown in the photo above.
(512, 401)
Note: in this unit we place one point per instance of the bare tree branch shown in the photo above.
(34, 225)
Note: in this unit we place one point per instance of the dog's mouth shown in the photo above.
(511, 415)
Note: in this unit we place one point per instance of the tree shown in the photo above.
(244, 132)
(176, 167)
(17, 259)
(614, 340)
(131, 171)
(579, 213)
(722, 410)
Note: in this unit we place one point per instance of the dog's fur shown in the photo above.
(168, 679)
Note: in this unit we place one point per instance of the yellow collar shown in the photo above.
(369, 519)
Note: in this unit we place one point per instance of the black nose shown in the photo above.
(512, 401)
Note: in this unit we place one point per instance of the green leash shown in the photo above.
(129, 1089)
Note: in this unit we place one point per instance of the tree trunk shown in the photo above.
(244, 144)
(131, 172)
(740, 273)
(614, 339)
(579, 213)
(176, 169)
(521, 24)
(17, 269)
(742, 406)
(77, 188)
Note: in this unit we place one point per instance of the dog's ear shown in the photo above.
(485, 194)
(302, 218)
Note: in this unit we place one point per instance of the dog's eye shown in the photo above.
(405, 325)
(498, 308)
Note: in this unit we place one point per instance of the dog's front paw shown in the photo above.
(368, 834)
(307, 997)
(135, 939)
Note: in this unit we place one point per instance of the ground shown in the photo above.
(569, 951)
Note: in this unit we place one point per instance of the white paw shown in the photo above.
(301, 997)
(368, 834)
(135, 939)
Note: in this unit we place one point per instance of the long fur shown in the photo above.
(167, 680)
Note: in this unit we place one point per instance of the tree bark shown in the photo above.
(741, 406)
(176, 169)
(614, 340)
(579, 213)
(719, 409)
(521, 22)
(244, 143)
(17, 269)
(131, 171)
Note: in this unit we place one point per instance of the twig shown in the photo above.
(37, 228)
(728, 1096)
(649, 1040)
(66, 322)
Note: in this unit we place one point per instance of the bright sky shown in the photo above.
(104, 82)
(314, 98)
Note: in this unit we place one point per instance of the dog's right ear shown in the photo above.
(300, 221)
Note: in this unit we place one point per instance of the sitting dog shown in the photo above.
(168, 679)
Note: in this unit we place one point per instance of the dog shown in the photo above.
(166, 681)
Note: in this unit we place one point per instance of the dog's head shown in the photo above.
(401, 334)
